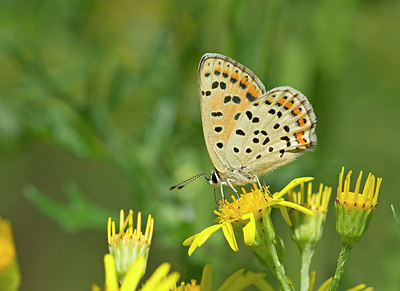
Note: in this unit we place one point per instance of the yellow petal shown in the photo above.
(202, 237)
(111, 282)
(229, 235)
(159, 277)
(168, 283)
(189, 240)
(227, 285)
(135, 273)
(291, 185)
(240, 280)
(263, 285)
(206, 278)
(312, 281)
(325, 285)
(285, 215)
(358, 287)
(249, 230)
(206, 233)
(297, 207)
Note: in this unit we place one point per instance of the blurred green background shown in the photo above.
(99, 111)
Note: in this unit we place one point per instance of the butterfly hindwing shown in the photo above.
(272, 132)
(226, 89)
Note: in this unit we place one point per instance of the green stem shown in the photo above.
(266, 252)
(342, 261)
(306, 255)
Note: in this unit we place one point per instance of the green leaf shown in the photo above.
(77, 214)
(395, 216)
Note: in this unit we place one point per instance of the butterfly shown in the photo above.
(248, 131)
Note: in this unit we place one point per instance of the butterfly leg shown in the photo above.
(236, 192)
(269, 193)
(261, 188)
(222, 194)
(215, 198)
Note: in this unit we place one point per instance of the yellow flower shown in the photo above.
(354, 210)
(129, 244)
(243, 215)
(317, 202)
(9, 270)
(160, 280)
(239, 280)
(307, 229)
(367, 199)
(192, 286)
(7, 248)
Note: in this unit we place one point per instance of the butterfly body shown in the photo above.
(248, 130)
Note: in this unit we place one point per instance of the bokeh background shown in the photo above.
(99, 111)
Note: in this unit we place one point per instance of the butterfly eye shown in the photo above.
(214, 178)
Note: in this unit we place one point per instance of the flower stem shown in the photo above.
(306, 255)
(342, 261)
(266, 251)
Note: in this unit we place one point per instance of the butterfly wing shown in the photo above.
(226, 89)
(272, 131)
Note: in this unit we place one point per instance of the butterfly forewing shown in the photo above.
(226, 89)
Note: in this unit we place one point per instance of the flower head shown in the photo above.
(239, 280)
(9, 270)
(354, 210)
(367, 199)
(308, 229)
(129, 244)
(243, 215)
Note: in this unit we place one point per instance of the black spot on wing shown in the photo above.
(266, 141)
(236, 99)
(217, 114)
(240, 132)
(249, 115)
(218, 129)
(250, 97)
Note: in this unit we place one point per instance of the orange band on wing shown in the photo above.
(253, 91)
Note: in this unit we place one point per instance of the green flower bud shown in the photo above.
(129, 244)
(308, 229)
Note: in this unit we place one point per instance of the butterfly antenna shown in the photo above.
(187, 181)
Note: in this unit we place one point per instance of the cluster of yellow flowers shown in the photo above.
(305, 212)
